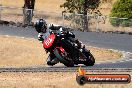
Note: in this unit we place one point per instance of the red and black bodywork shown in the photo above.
(66, 52)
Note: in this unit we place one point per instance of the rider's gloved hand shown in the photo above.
(40, 37)
(70, 34)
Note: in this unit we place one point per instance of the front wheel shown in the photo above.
(65, 59)
(49, 62)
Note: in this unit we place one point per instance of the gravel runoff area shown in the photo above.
(19, 52)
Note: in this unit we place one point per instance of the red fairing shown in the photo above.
(61, 48)
(49, 41)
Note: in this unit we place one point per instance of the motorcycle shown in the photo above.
(66, 50)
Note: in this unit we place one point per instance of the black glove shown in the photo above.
(70, 34)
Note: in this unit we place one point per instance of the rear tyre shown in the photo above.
(70, 64)
(63, 59)
(90, 59)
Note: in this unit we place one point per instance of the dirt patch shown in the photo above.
(20, 52)
(50, 80)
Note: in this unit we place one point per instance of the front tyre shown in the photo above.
(63, 59)
(49, 61)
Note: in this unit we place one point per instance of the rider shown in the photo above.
(44, 31)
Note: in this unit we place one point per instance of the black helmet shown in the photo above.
(40, 25)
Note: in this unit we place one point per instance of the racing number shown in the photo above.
(48, 41)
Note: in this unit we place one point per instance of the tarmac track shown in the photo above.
(122, 42)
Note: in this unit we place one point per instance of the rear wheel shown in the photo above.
(90, 59)
(65, 59)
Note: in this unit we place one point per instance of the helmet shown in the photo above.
(41, 25)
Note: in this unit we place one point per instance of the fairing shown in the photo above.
(49, 41)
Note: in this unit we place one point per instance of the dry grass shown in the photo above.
(20, 52)
(26, 52)
(102, 54)
(50, 80)
(42, 5)
(52, 9)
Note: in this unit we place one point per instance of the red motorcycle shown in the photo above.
(66, 52)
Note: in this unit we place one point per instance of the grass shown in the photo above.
(42, 5)
(19, 52)
(51, 10)
(52, 13)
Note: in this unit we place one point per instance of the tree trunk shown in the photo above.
(28, 11)
(27, 16)
(85, 19)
